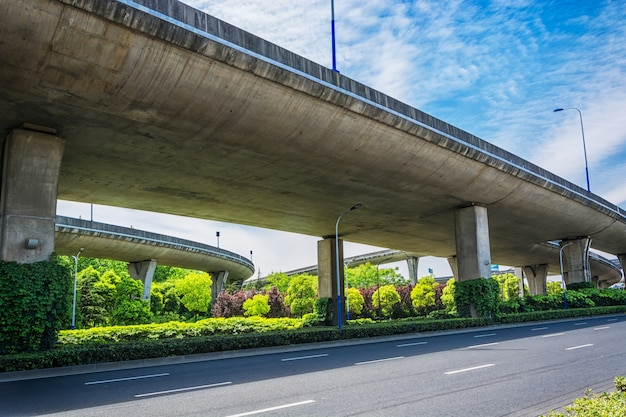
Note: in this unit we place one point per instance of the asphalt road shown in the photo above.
(500, 371)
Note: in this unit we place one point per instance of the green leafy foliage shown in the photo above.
(447, 297)
(256, 306)
(607, 404)
(35, 303)
(385, 298)
(301, 294)
(368, 275)
(195, 292)
(354, 301)
(509, 286)
(477, 297)
(279, 280)
(423, 294)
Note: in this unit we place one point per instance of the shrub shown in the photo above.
(385, 298)
(256, 306)
(277, 305)
(477, 297)
(354, 301)
(301, 294)
(423, 294)
(324, 310)
(35, 303)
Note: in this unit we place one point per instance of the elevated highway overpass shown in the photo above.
(142, 250)
(153, 105)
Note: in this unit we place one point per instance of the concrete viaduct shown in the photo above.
(142, 250)
(153, 105)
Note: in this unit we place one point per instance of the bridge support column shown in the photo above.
(31, 162)
(454, 266)
(472, 242)
(143, 271)
(576, 260)
(217, 285)
(622, 261)
(327, 258)
(537, 276)
(413, 262)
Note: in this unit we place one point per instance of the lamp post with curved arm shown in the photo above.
(75, 280)
(339, 312)
(582, 130)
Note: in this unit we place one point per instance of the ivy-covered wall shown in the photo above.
(35, 303)
(477, 297)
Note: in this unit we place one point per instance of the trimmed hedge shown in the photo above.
(134, 348)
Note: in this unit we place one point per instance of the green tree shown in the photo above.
(94, 298)
(355, 302)
(128, 308)
(385, 298)
(301, 294)
(423, 294)
(367, 275)
(554, 288)
(164, 273)
(195, 292)
(509, 286)
(256, 306)
(279, 280)
(447, 297)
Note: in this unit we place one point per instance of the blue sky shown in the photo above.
(494, 68)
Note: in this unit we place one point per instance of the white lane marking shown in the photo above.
(130, 378)
(411, 344)
(265, 410)
(580, 323)
(469, 369)
(483, 345)
(171, 391)
(485, 335)
(538, 328)
(612, 320)
(602, 328)
(553, 335)
(579, 347)
(380, 360)
(297, 358)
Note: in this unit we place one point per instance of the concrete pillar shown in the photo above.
(472, 242)
(327, 273)
(413, 263)
(218, 279)
(537, 276)
(143, 271)
(31, 162)
(622, 261)
(454, 266)
(575, 253)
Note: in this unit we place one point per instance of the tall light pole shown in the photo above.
(339, 312)
(562, 275)
(75, 280)
(332, 33)
(582, 130)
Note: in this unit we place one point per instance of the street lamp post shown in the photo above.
(582, 130)
(75, 280)
(339, 312)
(332, 33)
(562, 275)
